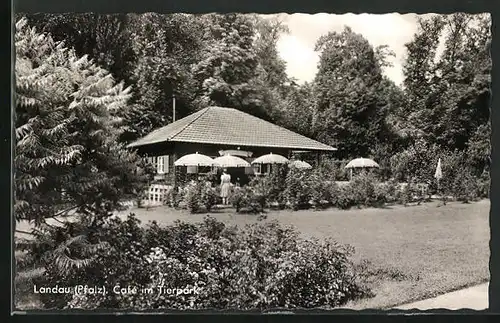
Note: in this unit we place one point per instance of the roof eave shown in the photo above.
(327, 148)
(139, 144)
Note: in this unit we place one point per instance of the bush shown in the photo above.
(387, 191)
(118, 260)
(463, 186)
(277, 184)
(209, 196)
(483, 185)
(198, 196)
(364, 191)
(193, 197)
(238, 198)
(345, 198)
(333, 170)
(248, 199)
(263, 266)
(322, 191)
(298, 190)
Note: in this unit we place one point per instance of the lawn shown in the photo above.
(412, 253)
(406, 253)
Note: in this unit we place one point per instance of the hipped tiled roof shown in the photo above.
(227, 126)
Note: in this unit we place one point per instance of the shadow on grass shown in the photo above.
(369, 275)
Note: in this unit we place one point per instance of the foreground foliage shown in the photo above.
(67, 122)
(262, 266)
(68, 160)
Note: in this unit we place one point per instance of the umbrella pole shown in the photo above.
(443, 196)
(350, 173)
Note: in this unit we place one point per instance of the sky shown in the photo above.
(297, 47)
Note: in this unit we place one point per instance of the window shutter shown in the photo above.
(166, 165)
(160, 168)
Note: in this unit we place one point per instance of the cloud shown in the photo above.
(297, 47)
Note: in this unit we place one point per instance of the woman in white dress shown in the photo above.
(225, 187)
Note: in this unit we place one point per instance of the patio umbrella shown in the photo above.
(270, 159)
(194, 160)
(362, 163)
(300, 164)
(230, 161)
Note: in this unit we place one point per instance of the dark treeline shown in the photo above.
(232, 60)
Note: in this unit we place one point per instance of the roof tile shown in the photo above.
(227, 126)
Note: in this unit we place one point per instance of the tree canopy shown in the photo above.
(68, 115)
(448, 88)
(232, 60)
(351, 94)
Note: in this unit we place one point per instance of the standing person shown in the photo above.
(225, 186)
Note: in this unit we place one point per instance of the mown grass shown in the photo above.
(403, 253)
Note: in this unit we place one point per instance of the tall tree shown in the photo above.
(227, 72)
(449, 89)
(166, 46)
(298, 113)
(351, 109)
(268, 32)
(67, 123)
(104, 38)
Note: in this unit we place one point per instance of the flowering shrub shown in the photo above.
(175, 197)
(238, 198)
(262, 266)
(345, 198)
(364, 191)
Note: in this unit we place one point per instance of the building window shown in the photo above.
(261, 169)
(161, 163)
(160, 166)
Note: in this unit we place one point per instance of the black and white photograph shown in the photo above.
(251, 162)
